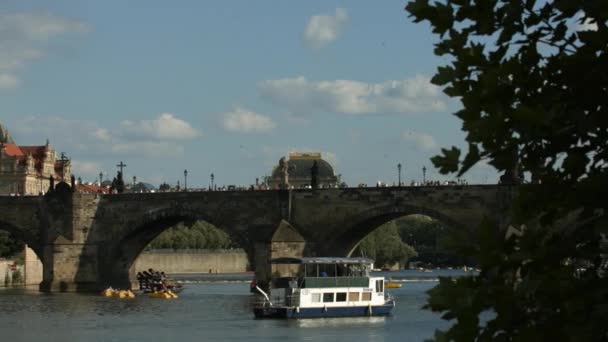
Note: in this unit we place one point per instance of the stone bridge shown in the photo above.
(87, 242)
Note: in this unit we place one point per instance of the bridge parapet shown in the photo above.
(87, 241)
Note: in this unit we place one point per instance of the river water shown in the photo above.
(206, 311)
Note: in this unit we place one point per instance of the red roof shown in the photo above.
(13, 150)
(38, 153)
(92, 188)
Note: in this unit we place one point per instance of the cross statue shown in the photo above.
(63, 160)
(121, 165)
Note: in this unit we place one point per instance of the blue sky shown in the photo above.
(225, 87)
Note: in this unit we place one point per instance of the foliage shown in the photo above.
(201, 235)
(419, 231)
(427, 237)
(384, 245)
(534, 92)
(8, 246)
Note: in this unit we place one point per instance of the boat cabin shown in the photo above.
(324, 287)
(323, 272)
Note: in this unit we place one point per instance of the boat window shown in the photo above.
(367, 296)
(341, 297)
(315, 298)
(379, 285)
(328, 297)
(353, 296)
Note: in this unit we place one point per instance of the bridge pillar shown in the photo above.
(285, 242)
(70, 260)
(69, 267)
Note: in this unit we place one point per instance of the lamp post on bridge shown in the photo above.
(212, 177)
(185, 180)
(399, 172)
(423, 174)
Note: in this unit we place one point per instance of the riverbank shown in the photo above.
(405, 276)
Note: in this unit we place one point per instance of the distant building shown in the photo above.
(299, 167)
(142, 188)
(92, 189)
(26, 170)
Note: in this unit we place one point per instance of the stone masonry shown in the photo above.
(89, 241)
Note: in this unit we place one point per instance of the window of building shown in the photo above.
(367, 296)
(341, 297)
(353, 296)
(328, 297)
(315, 298)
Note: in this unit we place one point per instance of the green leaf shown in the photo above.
(448, 162)
(470, 160)
(443, 76)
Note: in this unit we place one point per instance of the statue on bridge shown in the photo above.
(51, 184)
(284, 171)
(118, 184)
(314, 175)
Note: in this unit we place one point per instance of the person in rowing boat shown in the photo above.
(140, 280)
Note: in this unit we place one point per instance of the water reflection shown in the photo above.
(339, 322)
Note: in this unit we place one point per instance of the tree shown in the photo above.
(531, 78)
(385, 246)
(201, 235)
(426, 236)
(9, 246)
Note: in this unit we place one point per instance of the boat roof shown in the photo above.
(324, 260)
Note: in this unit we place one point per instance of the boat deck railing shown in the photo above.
(317, 282)
(289, 301)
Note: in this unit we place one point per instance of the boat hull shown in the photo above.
(345, 311)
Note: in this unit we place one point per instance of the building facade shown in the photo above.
(299, 171)
(26, 170)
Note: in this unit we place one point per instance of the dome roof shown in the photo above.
(301, 168)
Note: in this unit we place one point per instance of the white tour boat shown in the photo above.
(325, 287)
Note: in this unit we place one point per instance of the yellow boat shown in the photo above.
(109, 292)
(163, 295)
(392, 285)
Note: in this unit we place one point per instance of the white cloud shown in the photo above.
(86, 168)
(155, 149)
(75, 133)
(8, 81)
(89, 138)
(324, 29)
(166, 126)
(23, 37)
(245, 121)
(36, 27)
(422, 141)
(413, 95)
(102, 134)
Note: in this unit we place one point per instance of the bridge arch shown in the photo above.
(123, 252)
(371, 219)
(22, 235)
